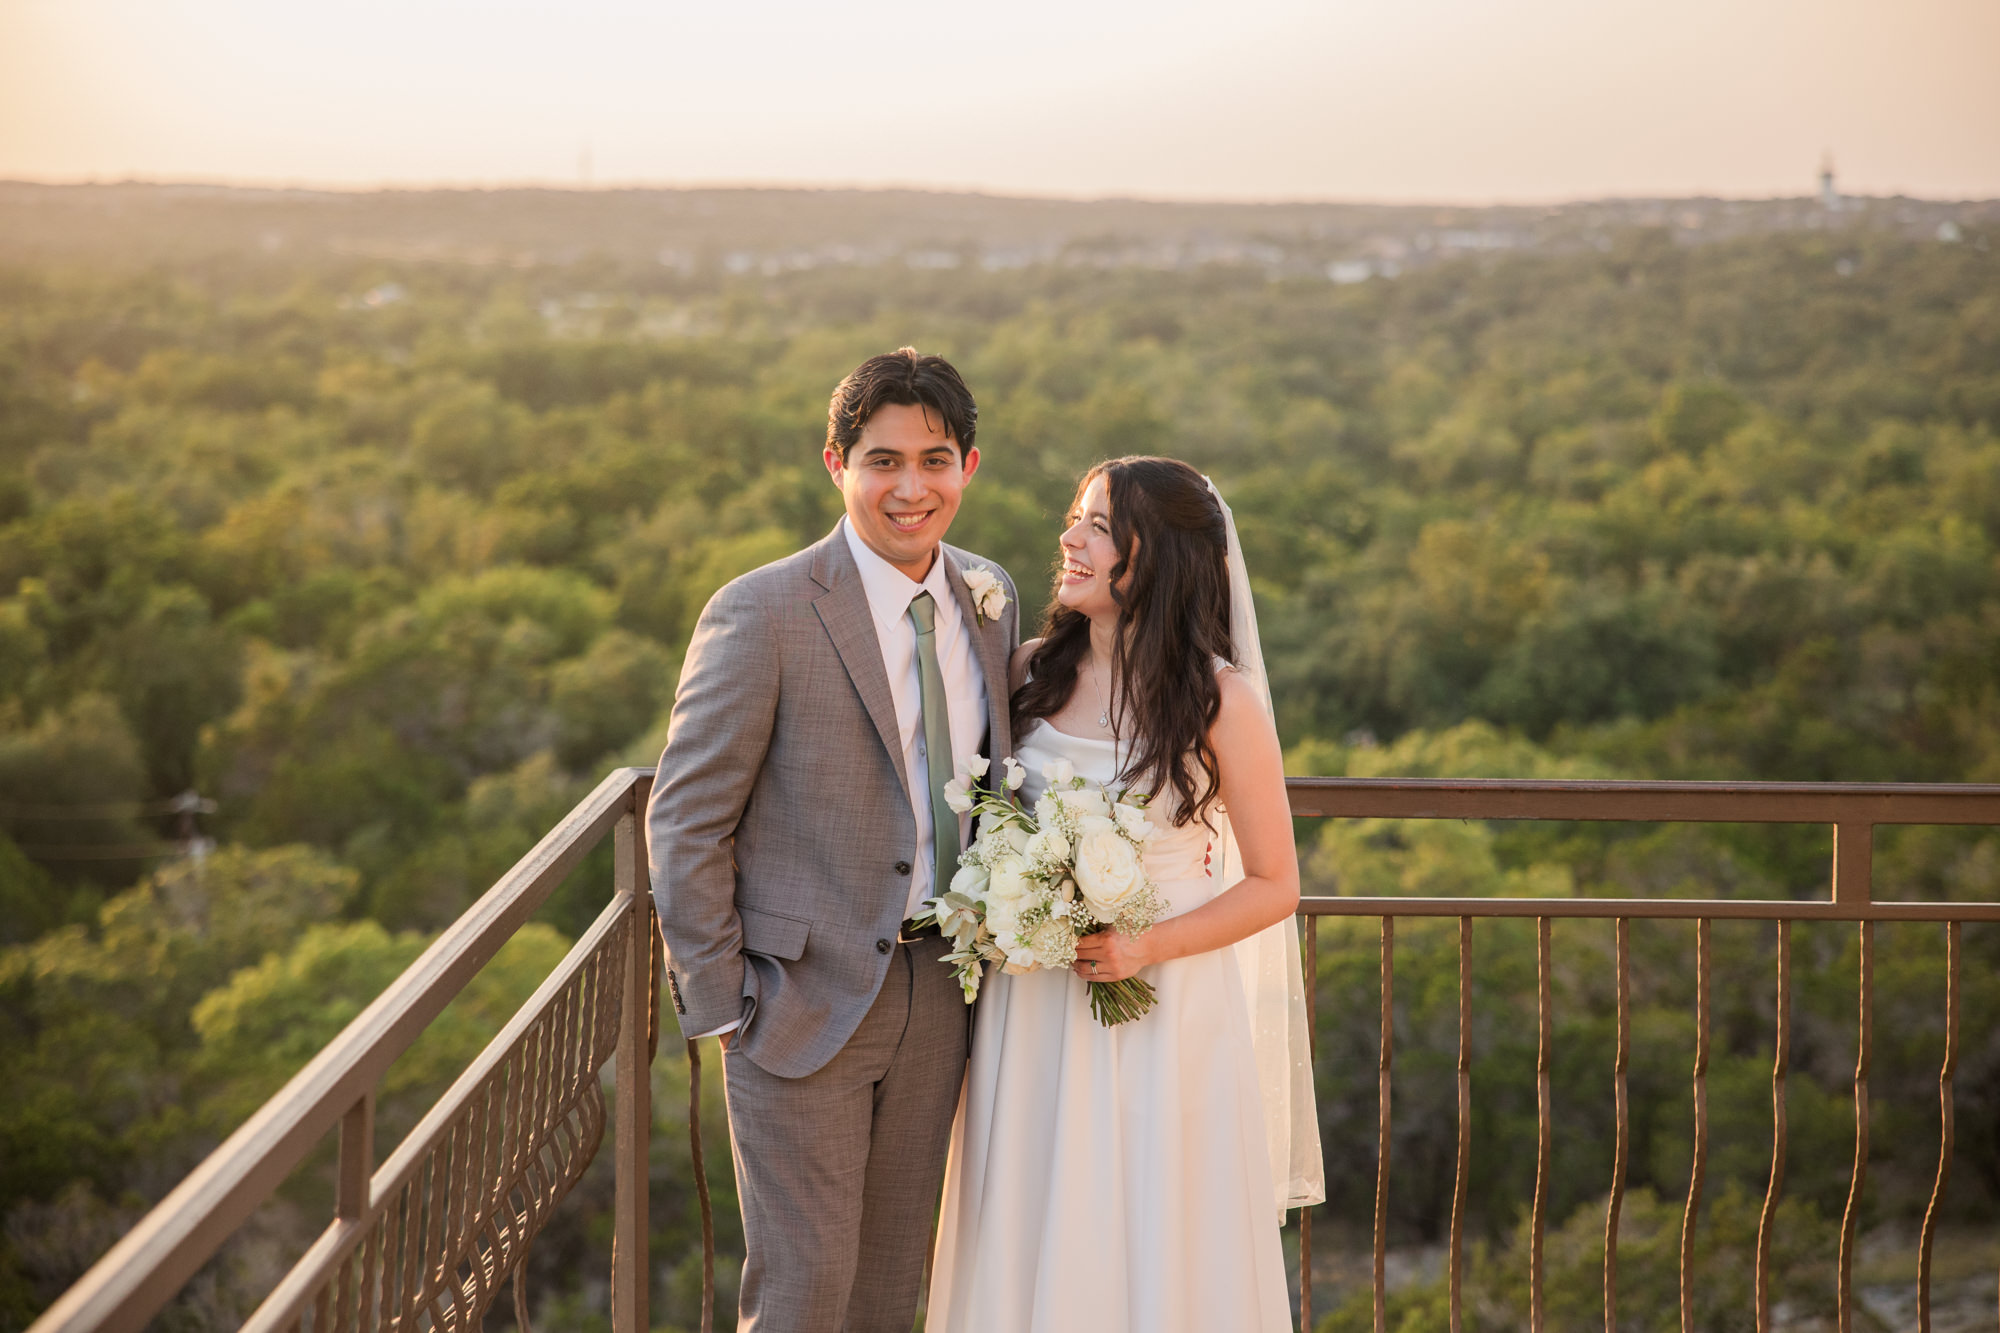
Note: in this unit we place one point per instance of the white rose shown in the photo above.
(989, 595)
(1003, 918)
(1013, 838)
(1133, 820)
(1086, 801)
(1108, 871)
(1008, 883)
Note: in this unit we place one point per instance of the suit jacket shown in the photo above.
(780, 829)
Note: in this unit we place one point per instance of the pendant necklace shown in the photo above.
(1103, 713)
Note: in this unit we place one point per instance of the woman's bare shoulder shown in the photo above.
(1242, 705)
(1017, 666)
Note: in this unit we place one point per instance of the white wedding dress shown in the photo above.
(1112, 1179)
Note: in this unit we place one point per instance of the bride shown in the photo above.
(1134, 1177)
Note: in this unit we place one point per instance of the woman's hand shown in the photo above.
(1110, 955)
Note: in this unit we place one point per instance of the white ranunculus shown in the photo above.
(970, 880)
(1012, 837)
(1108, 870)
(1133, 820)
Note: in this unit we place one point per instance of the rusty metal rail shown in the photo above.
(1851, 811)
(429, 1239)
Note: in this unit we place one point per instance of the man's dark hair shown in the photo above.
(906, 379)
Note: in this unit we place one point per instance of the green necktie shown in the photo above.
(937, 743)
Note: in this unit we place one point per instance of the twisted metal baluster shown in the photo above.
(1620, 1163)
(1699, 1167)
(1864, 1045)
(1945, 1126)
(1780, 1066)
(1388, 1048)
(1544, 1006)
(1459, 1176)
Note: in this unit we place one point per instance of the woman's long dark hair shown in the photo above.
(1173, 623)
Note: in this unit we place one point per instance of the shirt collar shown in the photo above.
(890, 590)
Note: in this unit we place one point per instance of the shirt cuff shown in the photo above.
(730, 1026)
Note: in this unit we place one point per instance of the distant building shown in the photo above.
(1829, 196)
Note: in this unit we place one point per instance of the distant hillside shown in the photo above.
(732, 231)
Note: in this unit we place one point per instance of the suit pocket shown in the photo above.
(773, 935)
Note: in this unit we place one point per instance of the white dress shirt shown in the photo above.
(890, 592)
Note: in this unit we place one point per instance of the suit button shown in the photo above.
(881, 946)
(902, 867)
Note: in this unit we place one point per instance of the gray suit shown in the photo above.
(781, 839)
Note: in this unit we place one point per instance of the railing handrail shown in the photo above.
(1647, 801)
(1655, 909)
(142, 1272)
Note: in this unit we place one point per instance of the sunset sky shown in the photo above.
(1447, 100)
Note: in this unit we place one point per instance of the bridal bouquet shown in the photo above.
(1034, 882)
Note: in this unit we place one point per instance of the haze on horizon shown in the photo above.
(1388, 100)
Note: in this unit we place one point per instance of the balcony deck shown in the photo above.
(431, 1236)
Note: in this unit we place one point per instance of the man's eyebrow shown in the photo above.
(885, 451)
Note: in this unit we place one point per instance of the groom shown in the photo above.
(798, 821)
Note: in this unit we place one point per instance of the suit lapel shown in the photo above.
(850, 622)
(990, 641)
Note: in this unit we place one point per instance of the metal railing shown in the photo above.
(430, 1238)
(1851, 811)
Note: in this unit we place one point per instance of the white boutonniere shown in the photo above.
(989, 595)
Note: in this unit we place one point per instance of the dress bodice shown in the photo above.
(1176, 858)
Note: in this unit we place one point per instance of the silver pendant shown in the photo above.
(1104, 720)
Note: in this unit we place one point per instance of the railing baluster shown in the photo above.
(1945, 1126)
(344, 1286)
(1461, 1173)
(631, 1270)
(1382, 1072)
(1620, 1164)
(1780, 1066)
(1698, 1168)
(1311, 933)
(1537, 1311)
(371, 1266)
(701, 1189)
(1851, 1218)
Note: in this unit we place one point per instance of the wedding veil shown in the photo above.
(1273, 977)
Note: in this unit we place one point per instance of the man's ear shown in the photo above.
(834, 466)
(971, 463)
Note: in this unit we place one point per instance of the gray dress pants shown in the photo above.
(839, 1172)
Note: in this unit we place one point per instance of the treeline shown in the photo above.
(391, 561)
